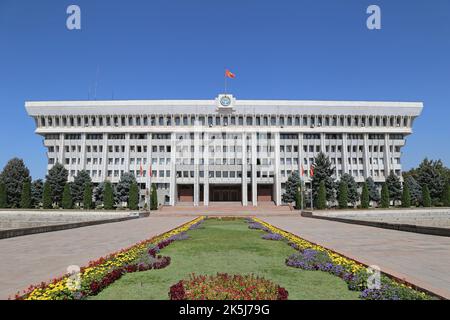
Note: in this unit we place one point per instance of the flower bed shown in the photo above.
(104, 271)
(227, 287)
(315, 257)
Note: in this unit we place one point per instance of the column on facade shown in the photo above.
(244, 170)
(173, 172)
(254, 167)
(344, 153)
(83, 151)
(148, 184)
(196, 168)
(387, 156)
(277, 180)
(366, 156)
(105, 157)
(206, 169)
(127, 152)
(61, 149)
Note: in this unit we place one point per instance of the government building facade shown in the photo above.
(225, 149)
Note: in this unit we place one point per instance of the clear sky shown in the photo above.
(178, 49)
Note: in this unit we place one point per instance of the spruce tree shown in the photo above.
(352, 188)
(133, 198)
(36, 193)
(25, 201)
(79, 186)
(374, 193)
(322, 196)
(87, 196)
(385, 196)
(292, 185)
(415, 190)
(406, 196)
(123, 188)
(343, 195)
(394, 186)
(365, 199)
(426, 198)
(323, 171)
(108, 196)
(13, 176)
(47, 202)
(66, 201)
(3, 197)
(154, 198)
(57, 178)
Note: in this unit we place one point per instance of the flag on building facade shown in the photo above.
(311, 173)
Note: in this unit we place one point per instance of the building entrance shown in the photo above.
(225, 193)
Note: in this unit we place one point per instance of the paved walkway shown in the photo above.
(420, 259)
(32, 259)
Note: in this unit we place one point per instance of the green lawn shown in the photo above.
(228, 246)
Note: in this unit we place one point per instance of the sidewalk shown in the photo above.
(418, 258)
(29, 260)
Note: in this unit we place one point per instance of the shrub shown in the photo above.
(154, 198)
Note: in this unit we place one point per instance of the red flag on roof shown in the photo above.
(229, 74)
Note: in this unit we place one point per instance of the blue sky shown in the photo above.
(178, 49)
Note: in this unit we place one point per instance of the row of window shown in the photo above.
(223, 120)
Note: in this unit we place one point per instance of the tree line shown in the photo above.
(17, 190)
(427, 185)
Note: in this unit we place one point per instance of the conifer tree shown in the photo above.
(322, 196)
(25, 201)
(406, 196)
(3, 196)
(426, 198)
(154, 198)
(87, 196)
(108, 196)
(365, 199)
(343, 195)
(47, 202)
(385, 196)
(446, 195)
(66, 201)
(133, 198)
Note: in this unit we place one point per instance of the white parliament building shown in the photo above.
(225, 149)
